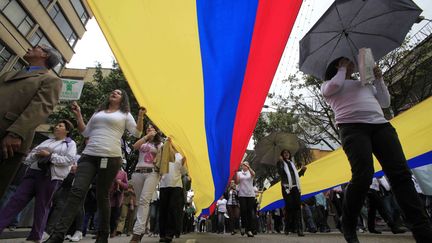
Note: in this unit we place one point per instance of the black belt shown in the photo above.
(145, 170)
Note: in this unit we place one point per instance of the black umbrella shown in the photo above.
(349, 25)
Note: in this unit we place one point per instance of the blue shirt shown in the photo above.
(34, 68)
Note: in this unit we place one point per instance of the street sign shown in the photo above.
(71, 89)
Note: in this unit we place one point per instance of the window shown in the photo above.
(39, 38)
(45, 3)
(59, 67)
(17, 15)
(79, 8)
(19, 65)
(64, 26)
(5, 56)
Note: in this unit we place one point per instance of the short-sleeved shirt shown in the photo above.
(246, 188)
(147, 155)
(105, 130)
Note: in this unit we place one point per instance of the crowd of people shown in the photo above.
(77, 192)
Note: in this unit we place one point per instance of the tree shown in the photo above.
(407, 74)
(315, 118)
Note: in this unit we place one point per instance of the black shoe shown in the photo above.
(374, 231)
(55, 238)
(397, 230)
(349, 232)
(102, 237)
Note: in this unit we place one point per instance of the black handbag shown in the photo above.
(44, 163)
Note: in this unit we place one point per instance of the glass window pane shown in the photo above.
(5, 55)
(24, 28)
(14, 13)
(84, 18)
(79, 8)
(72, 40)
(64, 26)
(19, 65)
(18, 16)
(59, 67)
(3, 3)
(45, 3)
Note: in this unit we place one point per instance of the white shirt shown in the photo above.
(63, 154)
(353, 102)
(105, 130)
(221, 204)
(246, 188)
(174, 177)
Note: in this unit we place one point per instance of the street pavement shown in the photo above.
(267, 238)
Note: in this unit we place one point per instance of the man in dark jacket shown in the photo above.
(27, 98)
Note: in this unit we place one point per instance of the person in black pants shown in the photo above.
(365, 132)
(291, 192)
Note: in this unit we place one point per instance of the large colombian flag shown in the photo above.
(414, 128)
(202, 68)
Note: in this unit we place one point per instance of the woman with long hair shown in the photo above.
(246, 195)
(101, 157)
(290, 183)
(145, 178)
(42, 179)
(364, 132)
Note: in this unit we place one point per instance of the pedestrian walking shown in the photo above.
(364, 131)
(101, 157)
(49, 163)
(246, 195)
(233, 208)
(145, 178)
(290, 183)
(27, 98)
(171, 193)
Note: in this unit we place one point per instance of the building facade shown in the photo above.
(27, 23)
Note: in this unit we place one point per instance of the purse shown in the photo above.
(44, 163)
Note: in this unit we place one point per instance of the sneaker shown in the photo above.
(12, 228)
(45, 236)
(68, 237)
(77, 236)
(250, 234)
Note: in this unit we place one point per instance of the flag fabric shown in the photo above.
(414, 128)
(203, 70)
